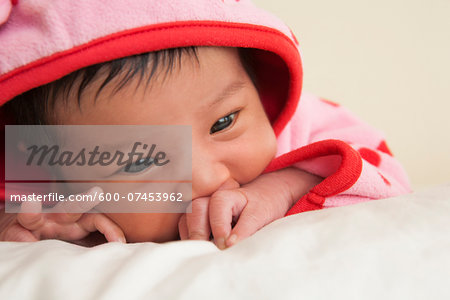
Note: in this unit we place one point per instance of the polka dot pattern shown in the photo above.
(370, 156)
(383, 147)
(294, 38)
(330, 102)
(384, 179)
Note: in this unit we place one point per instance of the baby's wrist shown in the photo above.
(296, 182)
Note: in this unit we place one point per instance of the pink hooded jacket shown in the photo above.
(44, 40)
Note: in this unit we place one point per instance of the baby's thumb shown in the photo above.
(250, 221)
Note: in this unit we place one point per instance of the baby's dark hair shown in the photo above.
(35, 106)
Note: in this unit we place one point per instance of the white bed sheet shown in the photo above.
(395, 248)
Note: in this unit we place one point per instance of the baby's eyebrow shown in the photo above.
(227, 92)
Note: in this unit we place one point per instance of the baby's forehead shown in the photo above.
(162, 78)
(115, 75)
(148, 70)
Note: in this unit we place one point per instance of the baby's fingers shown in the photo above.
(225, 206)
(197, 221)
(16, 233)
(250, 221)
(96, 221)
(182, 228)
(30, 216)
(67, 211)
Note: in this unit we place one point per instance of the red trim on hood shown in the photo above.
(2, 164)
(163, 36)
(344, 178)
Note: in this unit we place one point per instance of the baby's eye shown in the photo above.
(138, 166)
(223, 123)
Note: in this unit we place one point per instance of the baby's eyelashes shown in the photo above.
(223, 122)
(138, 166)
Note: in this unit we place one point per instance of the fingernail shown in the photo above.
(122, 240)
(220, 243)
(231, 240)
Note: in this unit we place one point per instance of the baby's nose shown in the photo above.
(207, 176)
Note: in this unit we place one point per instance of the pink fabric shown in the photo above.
(40, 28)
(316, 120)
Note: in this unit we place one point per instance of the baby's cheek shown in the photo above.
(272, 147)
(148, 227)
(268, 146)
(260, 155)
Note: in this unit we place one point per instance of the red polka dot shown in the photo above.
(295, 39)
(330, 102)
(370, 156)
(385, 180)
(383, 147)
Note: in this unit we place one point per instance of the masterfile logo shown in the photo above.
(129, 168)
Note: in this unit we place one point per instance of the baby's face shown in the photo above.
(232, 138)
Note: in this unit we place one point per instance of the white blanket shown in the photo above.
(387, 249)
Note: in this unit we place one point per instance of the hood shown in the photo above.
(44, 40)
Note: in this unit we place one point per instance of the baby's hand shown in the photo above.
(251, 206)
(31, 225)
(195, 225)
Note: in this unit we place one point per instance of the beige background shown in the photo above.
(388, 61)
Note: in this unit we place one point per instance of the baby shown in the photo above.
(258, 151)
